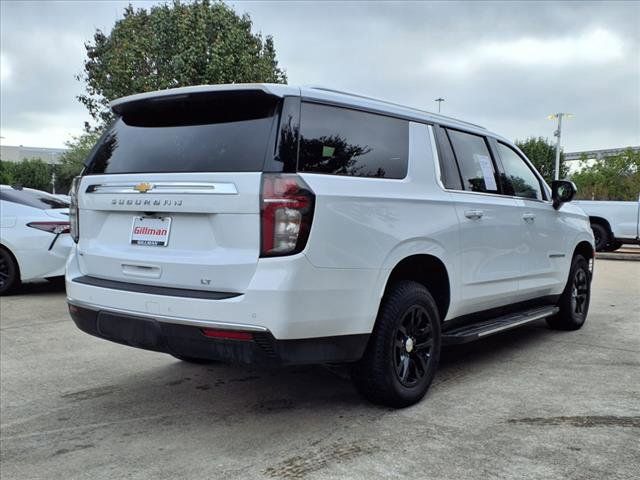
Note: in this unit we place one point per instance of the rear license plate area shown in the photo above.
(151, 231)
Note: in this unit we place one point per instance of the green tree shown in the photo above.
(542, 154)
(31, 173)
(611, 178)
(174, 45)
(72, 161)
(7, 172)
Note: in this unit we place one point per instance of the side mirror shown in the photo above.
(562, 191)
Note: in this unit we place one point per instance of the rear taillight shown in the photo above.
(73, 209)
(52, 227)
(286, 213)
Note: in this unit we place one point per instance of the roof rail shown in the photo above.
(364, 97)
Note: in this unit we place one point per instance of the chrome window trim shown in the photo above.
(173, 188)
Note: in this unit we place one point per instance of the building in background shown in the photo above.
(50, 156)
(11, 153)
(576, 161)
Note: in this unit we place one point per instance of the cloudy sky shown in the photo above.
(505, 65)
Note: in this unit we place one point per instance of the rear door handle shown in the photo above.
(529, 217)
(474, 214)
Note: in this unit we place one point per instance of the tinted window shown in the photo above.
(448, 168)
(519, 180)
(285, 158)
(228, 132)
(476, 167)
(341, 141)
(32, 198)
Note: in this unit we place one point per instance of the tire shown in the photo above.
(601, 236)
(402, 356)
(9, 272)
(194, 360)
(574, 301)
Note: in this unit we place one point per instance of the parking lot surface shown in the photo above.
(531, 403)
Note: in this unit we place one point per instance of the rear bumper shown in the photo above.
(149, 333)
(287, 296)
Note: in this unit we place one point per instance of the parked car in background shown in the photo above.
(271, 224)
(613, 223)
(34, 236)
(63, 197)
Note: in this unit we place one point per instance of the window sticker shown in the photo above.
(328, 151)
(487, 171)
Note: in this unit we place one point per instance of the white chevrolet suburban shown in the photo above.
(270, 224)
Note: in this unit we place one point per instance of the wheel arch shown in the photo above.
(428, 270)
(601, 221)
(585, 249)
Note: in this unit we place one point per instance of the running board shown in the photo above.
(476, 331)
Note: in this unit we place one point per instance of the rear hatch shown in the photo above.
(170, 195)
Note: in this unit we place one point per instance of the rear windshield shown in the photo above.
(32, 198)
(214, 132)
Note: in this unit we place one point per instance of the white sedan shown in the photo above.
(34, 236)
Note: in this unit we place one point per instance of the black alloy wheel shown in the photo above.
(402, 355)
(580, 292)
(413, 345)
(575, 299)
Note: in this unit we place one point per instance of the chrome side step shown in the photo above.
(476, 331)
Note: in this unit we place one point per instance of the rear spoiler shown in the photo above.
(120, 105)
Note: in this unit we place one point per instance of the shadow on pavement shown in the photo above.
(219, 392)
(55, 285)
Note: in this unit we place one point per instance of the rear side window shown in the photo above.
(476, 167)
(341, 141)
(215, 132)
(32, 198)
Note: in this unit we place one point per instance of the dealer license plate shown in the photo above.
(151, 231)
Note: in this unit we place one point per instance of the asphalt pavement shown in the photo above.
(529, 404)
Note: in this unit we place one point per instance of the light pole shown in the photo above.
(439, 100)
(558, 134)
(53, 173)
